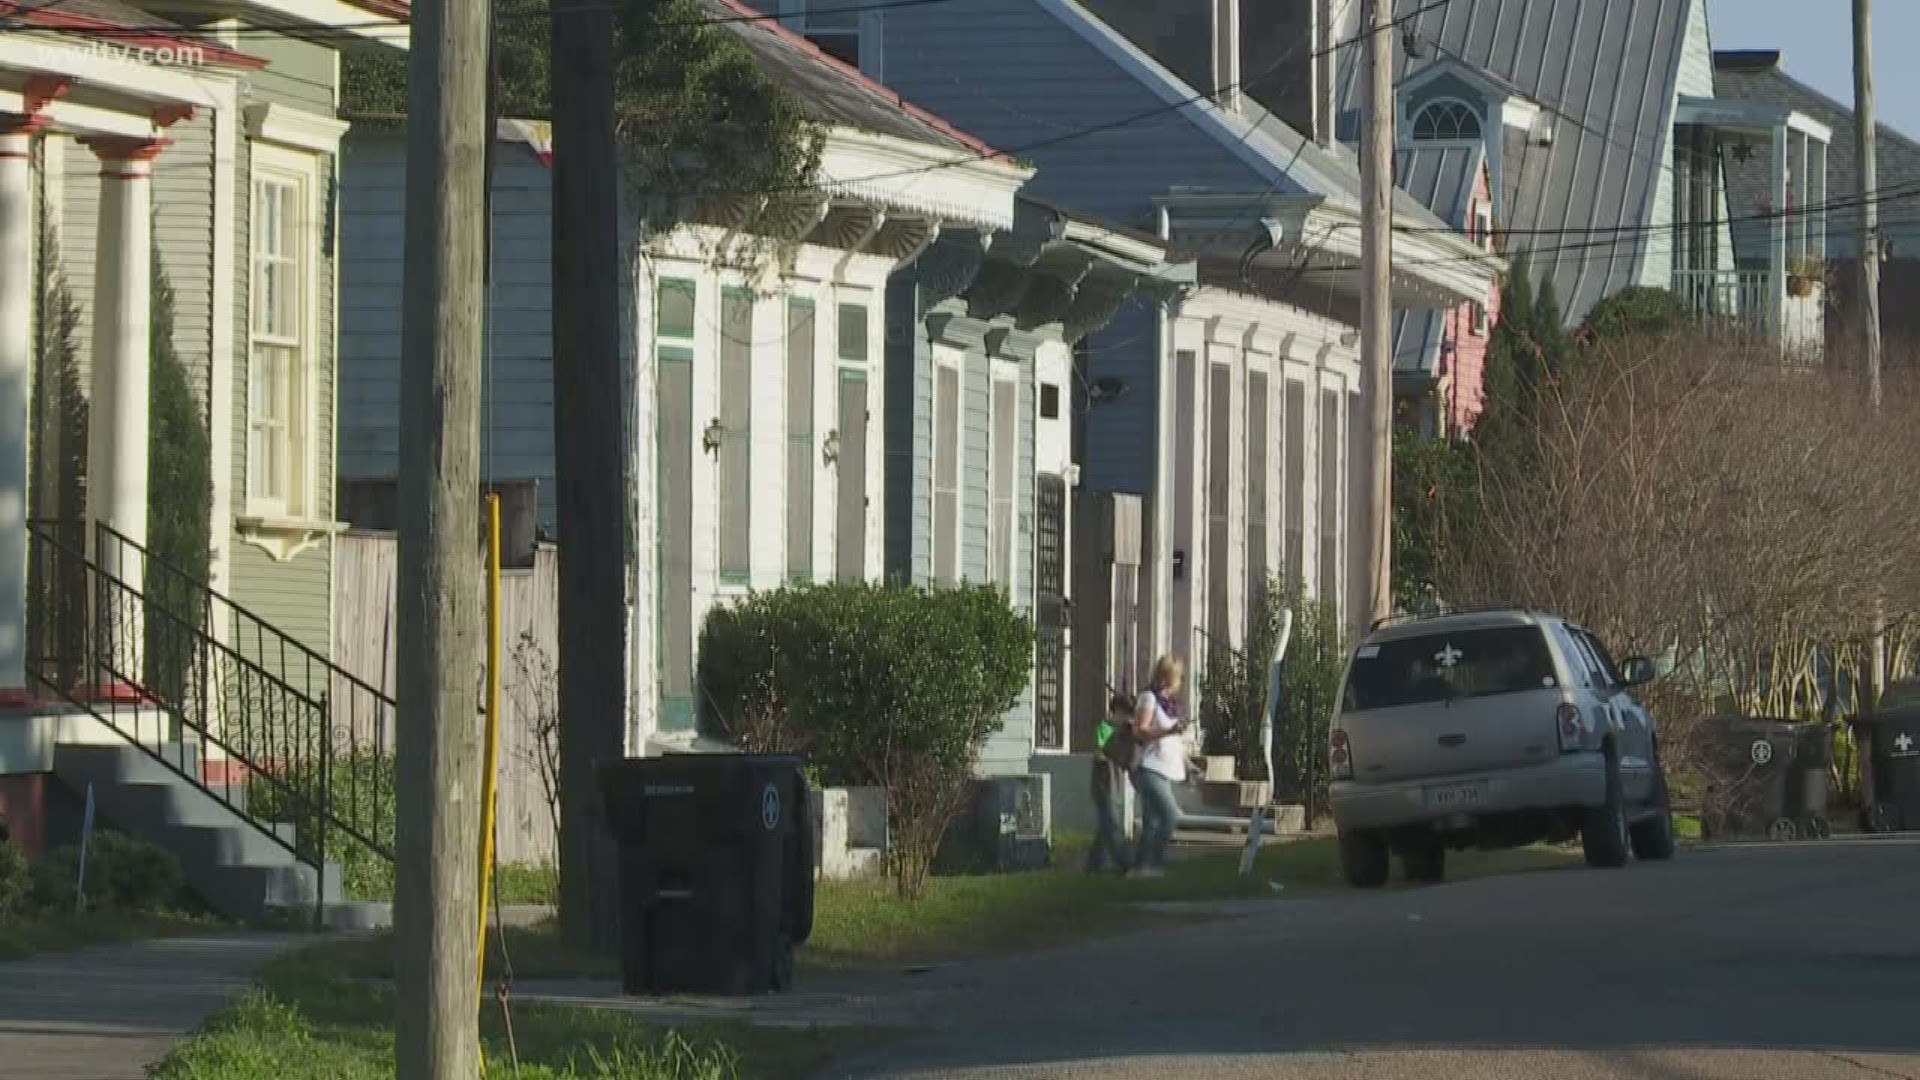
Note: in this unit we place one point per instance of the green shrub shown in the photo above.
(361, 789)
(888, 686)
(124, 874)
(1637, 310)
(16, 880)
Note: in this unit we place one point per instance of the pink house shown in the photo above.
(1440, 356)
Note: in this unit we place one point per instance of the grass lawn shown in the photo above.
(864, 925)
(27, 935)
(858, 924)
(311, 1018)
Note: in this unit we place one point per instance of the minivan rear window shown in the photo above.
(1448, 666)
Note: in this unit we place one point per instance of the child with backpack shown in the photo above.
(1112, 767)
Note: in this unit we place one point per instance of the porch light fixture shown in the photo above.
(710, 440)
(830, 448)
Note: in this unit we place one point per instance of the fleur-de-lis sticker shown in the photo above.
(1448, 657)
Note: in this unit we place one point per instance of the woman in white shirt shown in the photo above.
(1158, 727)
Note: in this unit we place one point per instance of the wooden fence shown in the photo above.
(365, 572)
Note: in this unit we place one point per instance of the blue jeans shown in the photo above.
(1159, 811)
(1106, 834)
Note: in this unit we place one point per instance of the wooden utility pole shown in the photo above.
(436, 906)
(594, 494)
(1867, 133)
(1376, 307)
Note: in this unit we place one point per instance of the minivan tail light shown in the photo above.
(1570, 727)
(1339, 756)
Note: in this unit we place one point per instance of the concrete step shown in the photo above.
(234, 864)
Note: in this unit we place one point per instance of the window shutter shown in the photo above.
(800, 443)
(1219, 499)
(1257, 488)
(1004, 479)
(1330, 498)
(736, 439)
(1295, 509)
(851, 533)
(946, 474)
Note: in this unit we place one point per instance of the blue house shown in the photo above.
(1219, 423)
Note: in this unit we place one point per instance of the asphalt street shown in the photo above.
(1791, 961)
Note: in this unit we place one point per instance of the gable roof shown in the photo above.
(833, 92)
(1279, 154)
(1757, 76)
(1606, 74)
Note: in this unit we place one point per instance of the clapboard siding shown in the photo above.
(516, 434)
(183, 241)
(1015, 75)
(1121, 433)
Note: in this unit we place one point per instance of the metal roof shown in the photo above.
(1756, 76)
(1441, 178)
(831, 91)
(1605, 73)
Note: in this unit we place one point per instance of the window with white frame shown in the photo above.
(1479, 319)
(1003, 477)
(848, 30)
(1483, 227)
(1446, 120)
(284, 254)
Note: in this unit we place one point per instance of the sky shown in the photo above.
(1815, 40)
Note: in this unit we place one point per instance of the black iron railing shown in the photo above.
(247, 713)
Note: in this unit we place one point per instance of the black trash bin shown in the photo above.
(1895, 762)
(1753, 780)
(716, 870)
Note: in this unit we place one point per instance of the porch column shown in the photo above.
(117, 418)
(1777, 287)
(17, 290)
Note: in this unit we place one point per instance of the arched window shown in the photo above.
(1446, 120)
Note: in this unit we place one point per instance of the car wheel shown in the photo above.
(1816, 827)
(1603, 833)
(1363, 858)
(1653, 838)
(1425, 862)
(1782, 829)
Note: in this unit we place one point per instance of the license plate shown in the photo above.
(1457, 796)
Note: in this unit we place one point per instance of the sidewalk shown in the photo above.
(105, 1014)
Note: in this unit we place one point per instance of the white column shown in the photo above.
(1777, 288)
(117, 418)
(17, 290)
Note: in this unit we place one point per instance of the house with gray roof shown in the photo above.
(1757, 76)
(1606, 139)
(1223, 424)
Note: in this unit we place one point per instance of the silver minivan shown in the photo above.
(1492, 729)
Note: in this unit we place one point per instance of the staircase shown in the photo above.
(250, 756)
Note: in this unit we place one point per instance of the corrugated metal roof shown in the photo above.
(1442, 179)
(1605, 71)
(833, 92)
(1757, 77)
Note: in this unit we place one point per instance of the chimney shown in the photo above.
(1326, 68)
(1285, 62)
(1224, 29)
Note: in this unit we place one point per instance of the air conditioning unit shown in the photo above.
(1013, 821)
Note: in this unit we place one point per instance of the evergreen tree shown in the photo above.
(179, 508)
(56, 612)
